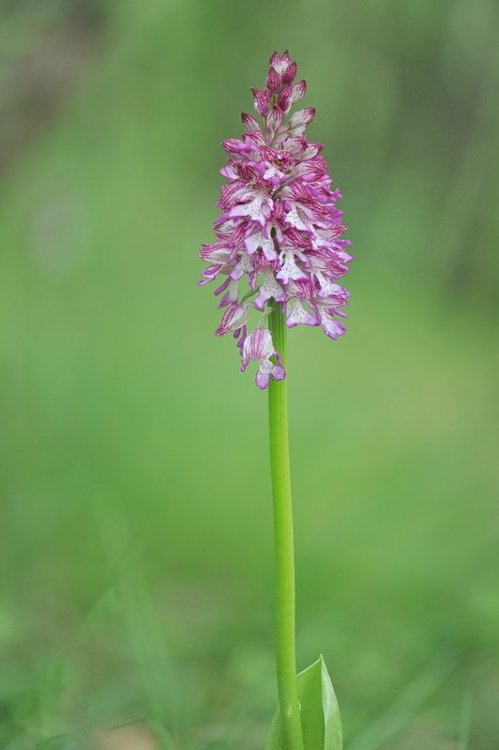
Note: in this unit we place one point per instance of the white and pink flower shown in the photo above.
(258, 346)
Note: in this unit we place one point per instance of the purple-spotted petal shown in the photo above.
(298, 315)
(261, 101)
(333, 328)
(262, 378)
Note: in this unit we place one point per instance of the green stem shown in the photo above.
(284, 547)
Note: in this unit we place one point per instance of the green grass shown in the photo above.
(136, 517)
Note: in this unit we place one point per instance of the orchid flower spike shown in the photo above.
(279, 233)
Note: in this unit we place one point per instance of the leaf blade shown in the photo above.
(319, 712)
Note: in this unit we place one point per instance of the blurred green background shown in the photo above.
(137, 562)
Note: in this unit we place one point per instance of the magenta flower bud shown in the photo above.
(289, 74)
(299, 121)
(254, 138)
(234, 317)
(280, 65)
(279, 236)
(299, 91)
(261, 101)
(249, 121)
(235, 147)
(285, 99)
(275, 117)
(273, 81)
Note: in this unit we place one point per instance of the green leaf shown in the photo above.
(319, 712)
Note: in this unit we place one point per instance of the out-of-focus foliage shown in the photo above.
(136, 601)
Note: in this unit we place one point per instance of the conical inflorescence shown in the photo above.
(279, 233)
